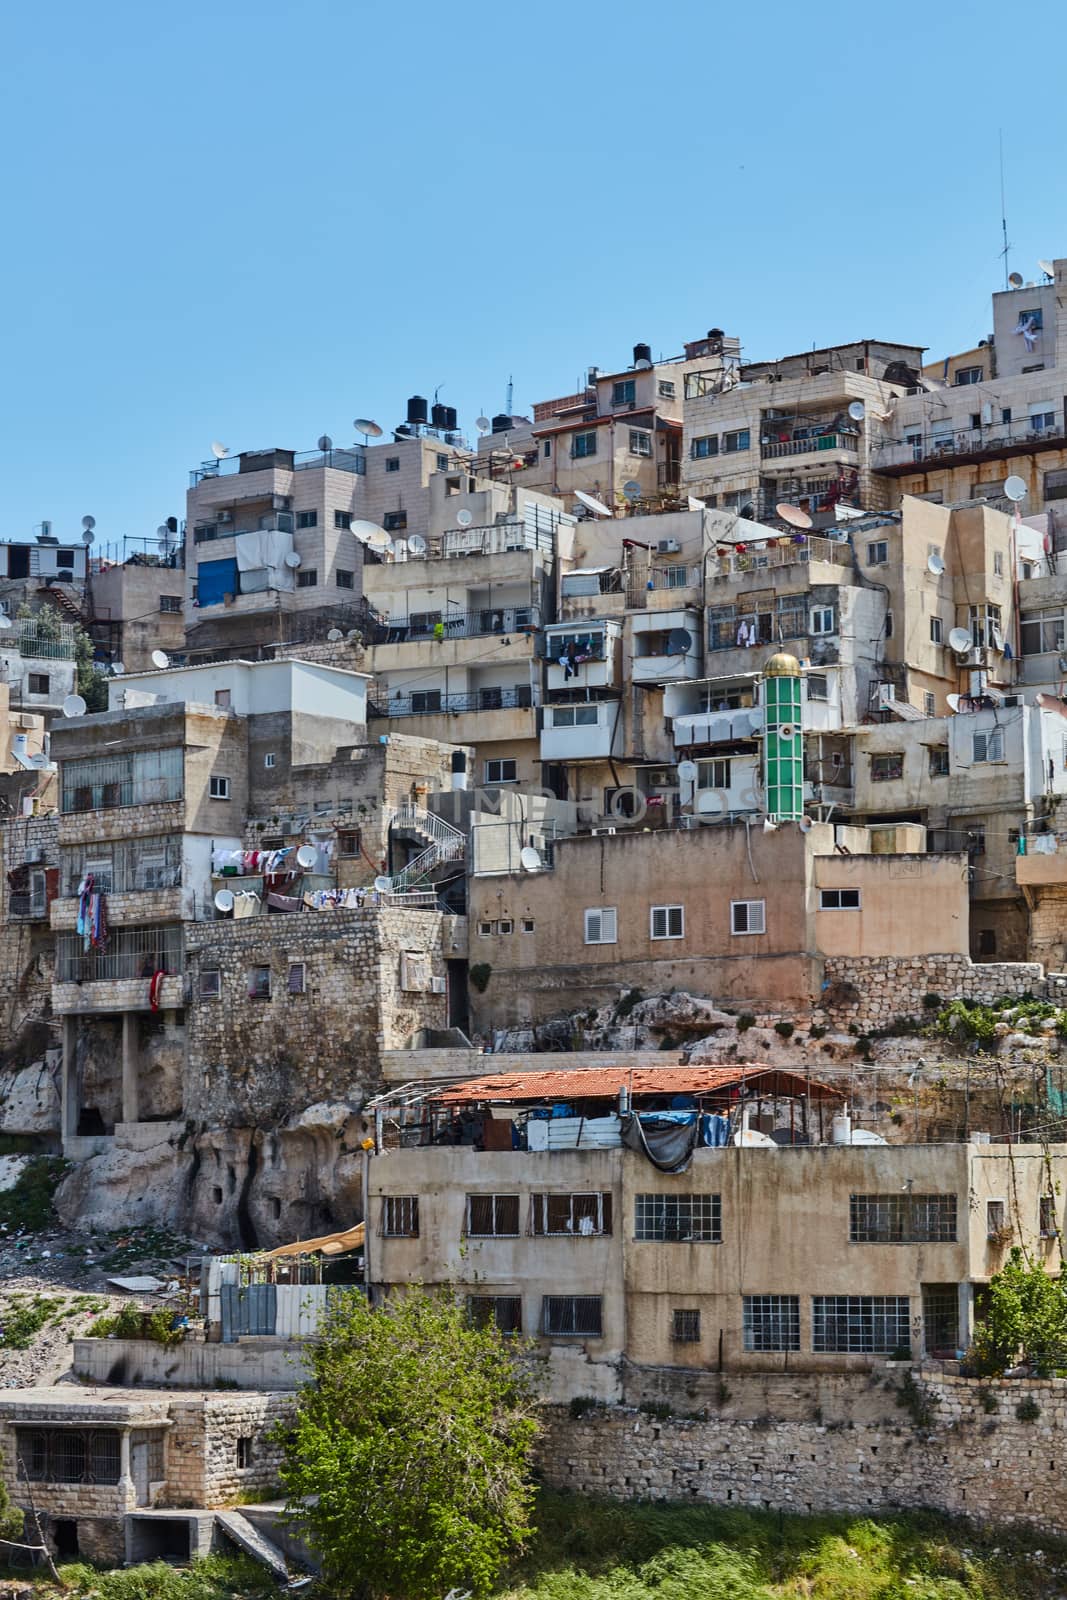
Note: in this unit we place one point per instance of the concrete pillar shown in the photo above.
(130, 1067)
(125, 1474)
(966, 1315)
(69, 1079)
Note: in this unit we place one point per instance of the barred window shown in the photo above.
(139, 778)
(573, 1315)
(678, 1218)
(771, 1322)
(860, 1324)
(686, 1327)
(69, 1455)
(582, 1215)
(902, 1219)
(492, 1216)
(503, 1310)
(400, 1216)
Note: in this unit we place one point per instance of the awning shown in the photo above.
(327, 1244)
(604, 1083)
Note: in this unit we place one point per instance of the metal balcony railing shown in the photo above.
(808, 548)
(945, 443)
(129, 953)
(436, 626)
(432, 702)
(27, 907)
(812, 445)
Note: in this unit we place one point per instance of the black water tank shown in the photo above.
(417, 408)
(172, 524)
(642, 352)
(459, 761)
(451, 419)
(501, 423)
(438, 415)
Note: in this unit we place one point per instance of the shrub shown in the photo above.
(784, 1029)
(745, 1021)
(1028, 1409)
(131, 1322)
(479, 975)
(932, 1002)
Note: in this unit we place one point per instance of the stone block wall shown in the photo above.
(870, 991)
(122, 822)
(202, 1450)
(27, 959)
(970, 1455)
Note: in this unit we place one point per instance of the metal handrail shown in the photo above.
(402, 705)
(485, 622)
(811, 445)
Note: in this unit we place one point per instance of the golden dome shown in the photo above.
(782, 665)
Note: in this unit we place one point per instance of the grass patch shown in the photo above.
(212, 1578)
(28, 1205)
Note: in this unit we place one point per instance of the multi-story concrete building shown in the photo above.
(135, 607)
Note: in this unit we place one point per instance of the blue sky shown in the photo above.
(256, 222)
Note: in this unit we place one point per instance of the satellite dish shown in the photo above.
(644, 365)
(694, 504)
(1015, 280)
(687, 771)
(369, 429)
(417, 545)
(74, 706)
(5, 620)
(482, 424)
(932, 385)
(960, 641)
(383, 885)
(118, 668)
(293, 559)
(857, 410)
(935, 563)
(307, 856)
(805, 824)
(379, 540)
(160, 659)
(795, 517)
(219, 450)
(363, 529)
(679, 641)
(847, 514)
(1015, 487)
(591, 503)
(786, 731)
(1047, 268)
(632, 489)
(325, 442)
(88, 536)
(335, 635)
(464, 519)
(88, 523)
(224, 900)
(530, 859)
(953, 702)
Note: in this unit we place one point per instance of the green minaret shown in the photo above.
(783, 741)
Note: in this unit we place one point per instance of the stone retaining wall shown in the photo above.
(870, 991)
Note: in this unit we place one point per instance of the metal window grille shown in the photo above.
(676, 1218)
(259, 983)
(210, 983)
(1047, 1217)
(579, 1215)
(941, 1319)
(129, 953)
(771, 1322)
(902, 1219)
(572, 1315)
(69, 1455)
(860, 1324)
(143, 777)
(686, 1327)
(505, 1311)
(152, 861)
(996, 1217)
(297, 980)
(400, 1216)
(492, 1216)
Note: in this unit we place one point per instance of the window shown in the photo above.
(39, 682)
(1042, 632)
(492, 1216)
(395, 521)
(998, 563)
(624, 393)
(839, 900)
(860, 1324)
(344, 578)
(244, 1451)
(889, 624)
(818, 686)
(678, 1218)
(503, 1311)
(733, 442)
(400, 1216)
(685, 1327)
(988, 746)
(547, 448)
(259, 983)
(504, 769)
(69, 1455)
(583, 444)
(985, 625)
(505, 925)
(1005, 414)
(668, 922)
(296, 982)
(674, 577)
(996, 1220)
(572, 1315)
(665, 389)
(307, 519)
(600, 925)
(425, 700)
(210, 983)
(902, 1219)
(392, 463)
(442, 462)
(640, 442)
(968, 375)
(580, 1215)
(219, 788)
(574, 716)
(822, 619)
(714, 774)
(748, 916)
(342, 520)
(527, 925)
(878, 553)
(1047, 1216)
(307, 578)
(887, 767)
(702, 448)
(222, 697)
(771, 1322)
(170, 602)
(485, 930)
(349, 841)
(937, 630)
(939, 760)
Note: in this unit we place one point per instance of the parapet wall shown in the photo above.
(961, 1449)
(871, 991)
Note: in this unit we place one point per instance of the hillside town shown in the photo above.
(645, 810)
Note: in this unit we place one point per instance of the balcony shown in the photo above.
(27, 907)
(584, 658)
(584, 732)
(130, 953)
(666, 645)
(433, 702)
(993, 441)
(799, 550)
(717, 727)
(437, 627)
(353, 459)
(815, 445)
(495, 538)
(135, 905)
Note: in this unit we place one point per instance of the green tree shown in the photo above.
(408, 1464)
(91, 682)
(1024, 1318)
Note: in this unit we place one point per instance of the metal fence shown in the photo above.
(129, 953)
(429, 702)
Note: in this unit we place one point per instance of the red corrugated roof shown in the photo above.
(604, 1083)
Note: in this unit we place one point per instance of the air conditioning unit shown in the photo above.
(34, 854)
(595, 832)
(437, 986)
(224, 516)
(281, 502)
(975, 657)
(661, 778)
(668, 547)
(1013, 700)
(65, 575)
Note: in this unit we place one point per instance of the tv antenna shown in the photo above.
(1003, 210)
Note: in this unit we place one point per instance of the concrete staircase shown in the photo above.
(237, 1528)
(444, 844)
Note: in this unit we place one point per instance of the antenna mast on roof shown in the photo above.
(511, 395)
(1003, 211)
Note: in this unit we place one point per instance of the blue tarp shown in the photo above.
(215, 580)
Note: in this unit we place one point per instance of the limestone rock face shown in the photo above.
(128, 1186)
(29, 1100)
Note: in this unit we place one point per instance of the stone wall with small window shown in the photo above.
(870, 991)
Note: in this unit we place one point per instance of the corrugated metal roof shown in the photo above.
(604, 1083)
